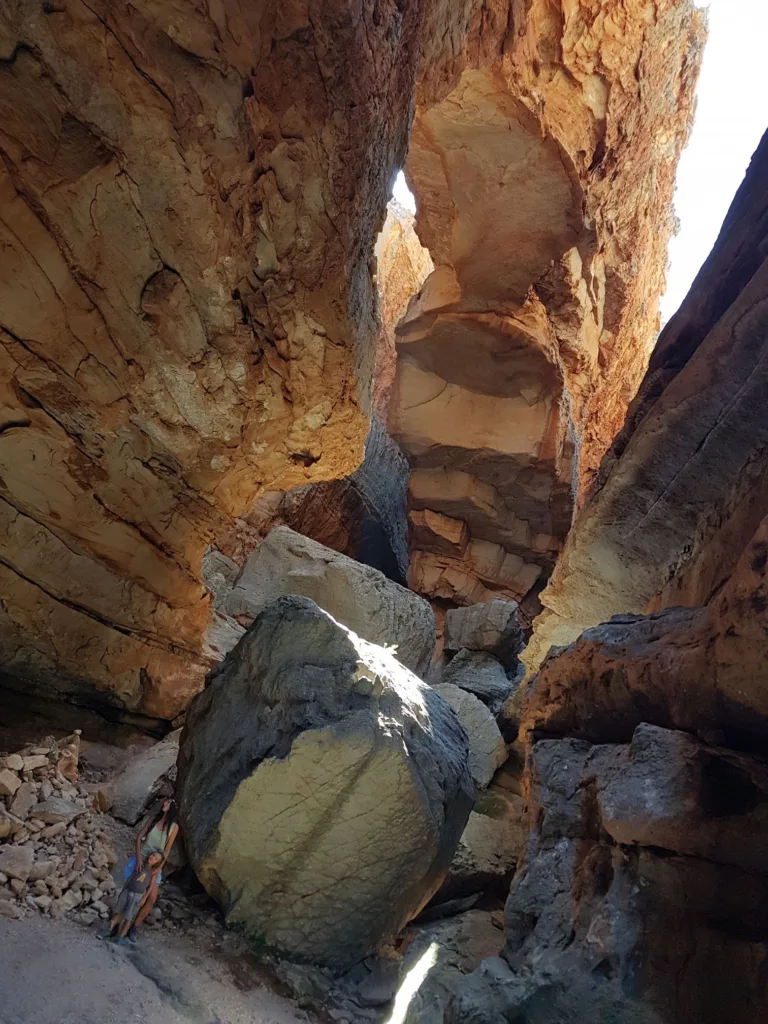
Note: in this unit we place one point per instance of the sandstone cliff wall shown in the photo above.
(686, 482)
(542, 159)
(189, 201)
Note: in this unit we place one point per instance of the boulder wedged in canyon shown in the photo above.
(542, 162)
(323, 788)
(360, 598)
(189, 204)
(480, 674)
(487, 750)
(686, 481)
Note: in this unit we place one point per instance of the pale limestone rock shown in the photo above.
(16, 861)
(24, 800)
(487, 750)
(143, 779)
(188, 256)
(360, 598)
(684, 484)
(9, 782)
(518, 355)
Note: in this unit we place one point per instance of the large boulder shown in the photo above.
(359, 597)
(323, 788)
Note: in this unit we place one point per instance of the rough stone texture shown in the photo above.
(459, 945)
(542, 159)
(700, 669)
(487, 750)
(144, 778)
(357, 596)
(487, 855)
(323, 787)
(644, 889)
(16, 861)
(481, 674)
(492, 627)
(686, 481)
(190, 197)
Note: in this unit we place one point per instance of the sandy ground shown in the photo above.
(56, 972)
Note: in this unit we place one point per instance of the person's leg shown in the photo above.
(146, 904)
(111, 929)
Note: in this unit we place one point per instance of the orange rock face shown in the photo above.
(686, 481)
(542, 159)
(189, 201)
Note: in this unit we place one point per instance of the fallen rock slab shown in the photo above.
(16, 861)
(9, 782)
(357, 596)
(143, 779)
(323, 787)
(56, 809)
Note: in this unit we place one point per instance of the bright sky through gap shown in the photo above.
(731, 116)
(403, 195)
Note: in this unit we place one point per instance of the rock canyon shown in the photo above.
(440, 570)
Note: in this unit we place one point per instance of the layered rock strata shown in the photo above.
(323, 787)
(189, 203)
(686, 482)
(542, 161)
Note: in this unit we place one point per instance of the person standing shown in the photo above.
(157, 835)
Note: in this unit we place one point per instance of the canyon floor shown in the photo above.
(57, 972)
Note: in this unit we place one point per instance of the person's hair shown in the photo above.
(156, 812)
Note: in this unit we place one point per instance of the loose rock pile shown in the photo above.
(55, 857)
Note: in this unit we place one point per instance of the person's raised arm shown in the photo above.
(173, 831)
(141, 836)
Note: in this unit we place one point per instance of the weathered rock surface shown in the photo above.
(323, 787)
(480, 674)
(704, 670)
(453, 949)
(644, 889)
(145, 777)
(54, 857)
(686, 481)
(493, 627)
(543, 196)
(189, 204)
(357, 596)
(402, 267)
(487, 749)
